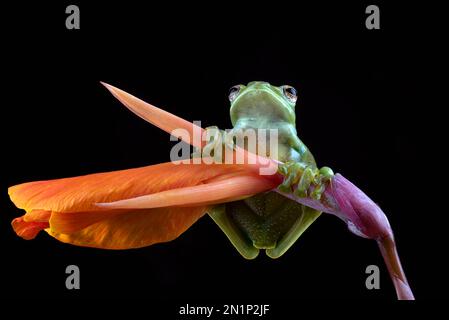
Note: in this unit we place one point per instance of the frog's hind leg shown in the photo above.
(307, 217)
(239, 241)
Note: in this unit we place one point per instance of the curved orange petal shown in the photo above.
(66, 208)
(80, 194)
(110, 229)
(137, 229)
(69, 222)
(37, 216)
(27, 230)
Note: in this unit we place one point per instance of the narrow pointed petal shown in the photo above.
(225, 190)
(158, 117)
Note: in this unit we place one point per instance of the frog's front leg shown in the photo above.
(304, 176)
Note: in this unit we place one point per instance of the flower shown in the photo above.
(142, 206)
(135, 207)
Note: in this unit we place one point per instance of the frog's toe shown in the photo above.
(292, 172)
(318, 191)
(320, 181)
(306, 180)
(326, 174)
(296, 173)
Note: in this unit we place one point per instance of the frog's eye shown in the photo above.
(290, 93)
(233, 92)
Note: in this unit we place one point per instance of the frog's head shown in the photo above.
(259, 100)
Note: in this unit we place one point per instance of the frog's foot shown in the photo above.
(304, 177)
(215, 146)
(320, 182)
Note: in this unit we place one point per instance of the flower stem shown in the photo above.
(389, 252)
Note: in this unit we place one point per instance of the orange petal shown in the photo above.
(224, 190)
(79, 194)
(37, 216)
(69, 222)
(137, 229)
(66, 209)
(158, 117)
(27, 230)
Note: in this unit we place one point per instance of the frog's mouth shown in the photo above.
(260, 104)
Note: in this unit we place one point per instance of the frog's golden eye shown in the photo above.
(290, 93)
(233, 92)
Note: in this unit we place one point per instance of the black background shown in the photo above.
(362, 110)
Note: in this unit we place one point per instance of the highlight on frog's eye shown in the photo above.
(257, 181)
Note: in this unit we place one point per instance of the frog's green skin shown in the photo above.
(268, 220)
